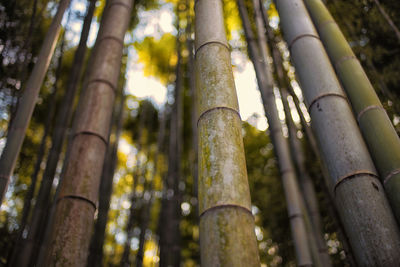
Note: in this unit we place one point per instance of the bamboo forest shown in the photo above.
(213, 133)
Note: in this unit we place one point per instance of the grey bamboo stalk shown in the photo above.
(259, 55)
(106, 184)
(39, 218)
(227, 235)
(328, 194)
(359, 195)
(376, 127)
(16, 133)
(31, 191)
(20, 247)
(305, 181)
(78, 197)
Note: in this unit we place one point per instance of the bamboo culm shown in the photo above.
(77, 201)
(376, 127)
(364, 209)
(227, 235)
(259, 51)
(16, 133)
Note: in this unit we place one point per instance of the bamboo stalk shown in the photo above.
(78, 197)
(16, 133)
(227, 235)
(360, 199)
(376, 127)
(259, 55)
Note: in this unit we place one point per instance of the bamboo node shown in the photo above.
(323, 24)
(353, 175)
(78, 198)
(91, 133)
(103, 81)
(217, 108)
(300, 37)
(120, 4)
(295, 215)
(343, 59)
(109, 37)
(210, 42)
(222, 206)
(362, 112)
(325, 95)
(390, 175)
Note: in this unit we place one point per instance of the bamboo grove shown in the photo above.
(199, 133)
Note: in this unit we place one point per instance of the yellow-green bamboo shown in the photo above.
(376, 127)
(227, 236)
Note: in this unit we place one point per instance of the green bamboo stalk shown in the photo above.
(259, 55)
(359, 195)
(227, 235)
(79, 187)
(376, 127)
(16, 133)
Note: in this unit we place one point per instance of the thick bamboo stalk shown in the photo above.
(78, 197)
(227, 235)
(40, 212)
(106, 184)
(376, 127)
(16, 133)
(359, 195)
(259, 55)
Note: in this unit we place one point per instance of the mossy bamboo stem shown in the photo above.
(359, 195)
(376, 127)
(227, 236)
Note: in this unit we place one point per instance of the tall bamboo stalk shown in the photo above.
(376, 127)
(22, 251)
(16, 133)
(259, 55)
(78, 197)
(40, 213)
(106, 184)
(306, 184)
(227, 235)
(359, 195)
